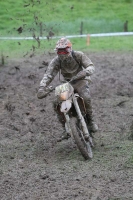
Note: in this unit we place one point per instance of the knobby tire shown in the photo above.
(84, 147)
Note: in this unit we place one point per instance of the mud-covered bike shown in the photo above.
(71, 108)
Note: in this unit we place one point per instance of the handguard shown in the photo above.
(79, 76)
(43, 92)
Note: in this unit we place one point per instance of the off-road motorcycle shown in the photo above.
(72, 109)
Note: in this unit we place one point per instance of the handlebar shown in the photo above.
(51, 88)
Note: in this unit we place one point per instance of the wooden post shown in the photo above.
(2, 59)
(81, 28)
(40, 29)
(126, 26)
(88, 40)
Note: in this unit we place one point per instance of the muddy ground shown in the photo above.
(34, 165)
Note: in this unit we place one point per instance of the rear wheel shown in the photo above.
(83, 145)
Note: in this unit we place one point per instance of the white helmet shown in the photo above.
(63, 43)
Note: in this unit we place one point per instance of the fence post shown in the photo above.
(81, 28)
(40, 29)
(126, 26)
(2, 58)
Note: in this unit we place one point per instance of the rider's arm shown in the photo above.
(84, 61)
(89, 67)
(50, 73)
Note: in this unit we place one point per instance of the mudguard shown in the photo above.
(65, 106)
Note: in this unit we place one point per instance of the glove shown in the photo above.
(79, 76)
(41, 92)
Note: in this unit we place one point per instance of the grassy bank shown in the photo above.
(64, 17)
(60, 18)
(21, 48)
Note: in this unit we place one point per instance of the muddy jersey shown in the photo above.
(68, 68)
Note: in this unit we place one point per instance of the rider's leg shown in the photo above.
(83, 90)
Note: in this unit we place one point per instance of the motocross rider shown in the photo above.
(74, 66)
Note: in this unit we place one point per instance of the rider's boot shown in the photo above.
(91, 124)
(65, 135)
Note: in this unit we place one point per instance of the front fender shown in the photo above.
(65, 106)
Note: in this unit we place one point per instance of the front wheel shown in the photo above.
(83, 146)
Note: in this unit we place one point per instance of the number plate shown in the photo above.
(61, 88)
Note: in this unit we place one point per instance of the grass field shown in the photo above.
(28, 47)
(61, 18)
(64, 17)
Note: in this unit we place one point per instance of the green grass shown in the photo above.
(65, 18)
(20, 48)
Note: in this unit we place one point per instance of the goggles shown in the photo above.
(63, 51)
